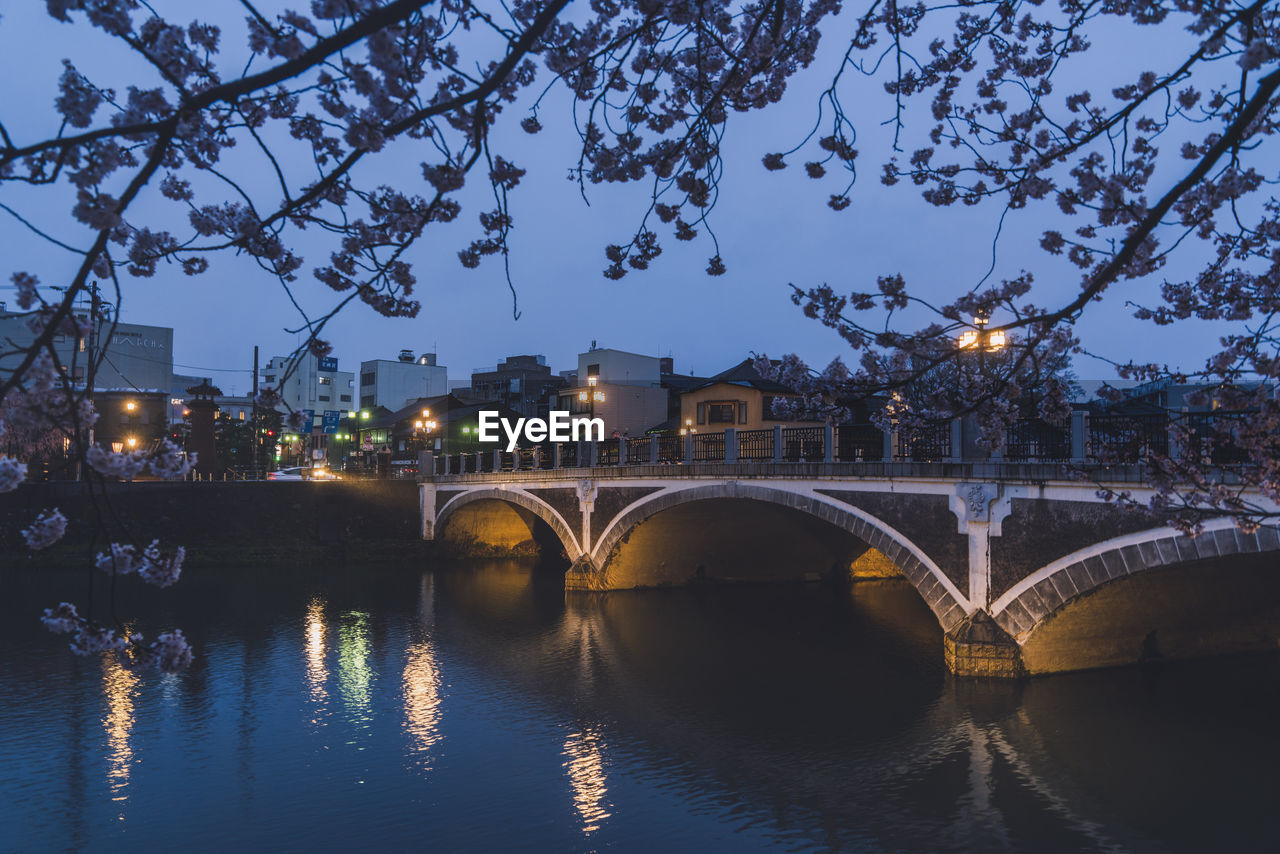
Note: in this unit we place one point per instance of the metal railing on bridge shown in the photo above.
(1085, 439)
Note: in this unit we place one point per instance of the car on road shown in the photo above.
(303, 473)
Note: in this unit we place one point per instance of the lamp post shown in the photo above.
(982, 341)
(423, 428)
(591, 396)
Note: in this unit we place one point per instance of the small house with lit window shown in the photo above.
(739, 397)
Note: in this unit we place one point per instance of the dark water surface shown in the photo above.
(473, 708)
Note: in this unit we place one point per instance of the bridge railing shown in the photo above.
(930, 444)
(754, 445)
(1102, 439)
(859, 443)
(1034, 439)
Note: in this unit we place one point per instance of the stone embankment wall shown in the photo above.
(231, 522)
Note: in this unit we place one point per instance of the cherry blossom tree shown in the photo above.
(163, 170)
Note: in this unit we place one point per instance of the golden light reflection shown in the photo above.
(355, 677)
(317, 671)
(422, 697)
(585, 766)
(118, 686)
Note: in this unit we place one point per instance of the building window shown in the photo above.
(326, 381)
(721, 413)
(323, 397)
(344, 398)
(742, 412)
(702, 413)
(366, 402)
(270, 378)
(367, 379)
(241, 414)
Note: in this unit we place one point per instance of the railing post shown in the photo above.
(555, 455)
(688, 447)
(623, 455)
(515, 460)
(730, 445)
(890, 442)
(426, 464)
(829, 443)
(593, 458)
(497, 459)
(1079, 436)
(777, 443)
(654, 441)
(957, 440)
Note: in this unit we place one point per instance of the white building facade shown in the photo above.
(392, 383)
(315, 383)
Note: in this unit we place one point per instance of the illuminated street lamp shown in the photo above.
(980, 339)
(131, 441)
(130, 405)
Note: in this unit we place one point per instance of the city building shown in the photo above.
(134, 356)
(738, 397)
(129, 419)
(623, 389)
(310, 382)
(394, 383)
(523, 384)
(445, 424)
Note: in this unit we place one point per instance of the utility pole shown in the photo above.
(257, 439)
(91, 367)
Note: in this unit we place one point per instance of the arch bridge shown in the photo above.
(1025, 570)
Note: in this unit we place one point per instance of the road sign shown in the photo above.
(329, 363)
(331, 418)
(308, 420)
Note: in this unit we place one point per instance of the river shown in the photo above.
(472, 707)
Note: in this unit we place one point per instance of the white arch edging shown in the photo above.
(520, 498)
(610, 536)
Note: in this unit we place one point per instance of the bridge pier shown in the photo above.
(979, 647)
(583, 574)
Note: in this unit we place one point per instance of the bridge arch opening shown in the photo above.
(744, 533)
(1191, 609)
(729, 540)
(501, 524)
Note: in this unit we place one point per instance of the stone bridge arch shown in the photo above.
(515, 498)
(948, 604)
(1031, 605)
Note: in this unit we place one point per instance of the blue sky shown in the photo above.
(774, 228)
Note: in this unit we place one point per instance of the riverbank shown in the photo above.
(227, 523)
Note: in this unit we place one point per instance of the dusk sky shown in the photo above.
(774, 228)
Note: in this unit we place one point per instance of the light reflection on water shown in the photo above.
(316, 652)
(119, 687)
(482, 709)
(421, 681)
(585, 767)
(355, 676)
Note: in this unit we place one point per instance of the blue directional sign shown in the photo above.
(329, 363)
(331, 418)
(308, 420)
